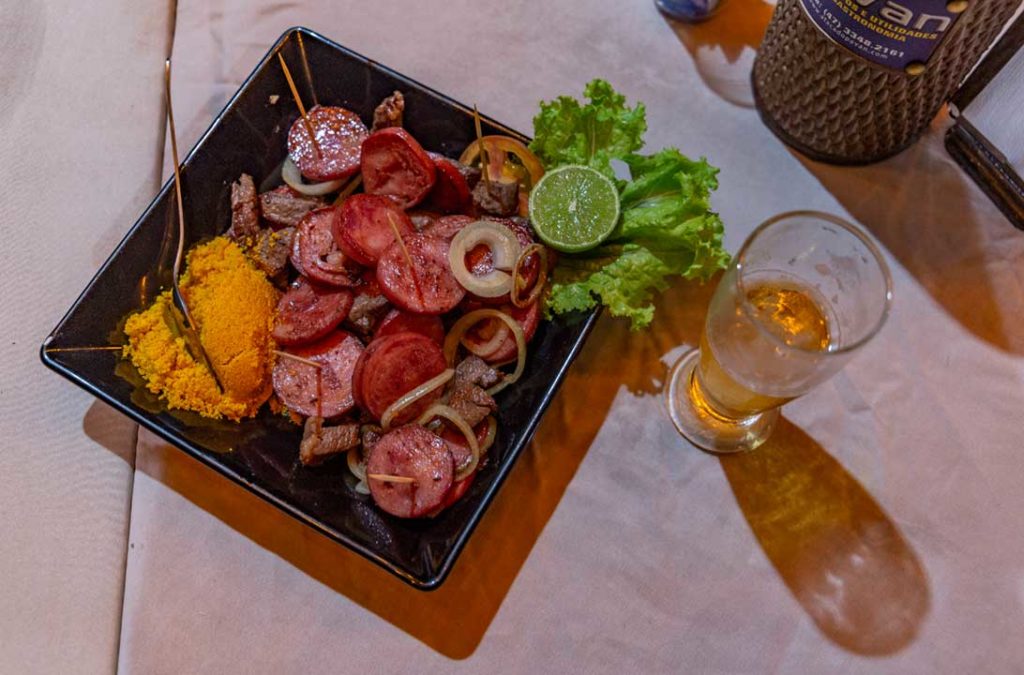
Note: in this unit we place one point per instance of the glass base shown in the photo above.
(704, 428)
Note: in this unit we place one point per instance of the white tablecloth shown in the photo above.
(877, 531)
(80, 135)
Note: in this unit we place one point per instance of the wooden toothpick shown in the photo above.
(408, 258)
(387, 478)
(298, 102)
(319, 376)
(483, 150)
(305, 67)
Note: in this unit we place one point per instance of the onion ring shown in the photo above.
(412, 396)
(517, 275)
(291, 175)
(505, 250)
(467, 321)
(441, 410)
(355, 463)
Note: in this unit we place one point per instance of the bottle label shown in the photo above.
(901, 35)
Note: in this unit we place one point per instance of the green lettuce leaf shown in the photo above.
(565, 132)
(666, 230)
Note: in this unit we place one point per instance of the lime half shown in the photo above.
(574, 208)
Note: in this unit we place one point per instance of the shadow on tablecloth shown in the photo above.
(454, 619)
(924, 210)
(724, 46)
(839, 554)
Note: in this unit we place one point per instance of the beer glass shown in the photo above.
(805, 292)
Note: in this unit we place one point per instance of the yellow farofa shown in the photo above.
(233, 304)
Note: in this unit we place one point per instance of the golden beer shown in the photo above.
(787, 311)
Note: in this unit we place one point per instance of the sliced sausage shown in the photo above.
(411, 452)
(339, 137)
(447, 227)
(357, 374)
(394, 366)
(295, 382)
(365, 226)
(397, 321)
(394, 164)
(427, 286)
(317, 256)
(527, 317)
(459, 489)
(461, 451)
(309, 311)
(451, 193)
(480, 260)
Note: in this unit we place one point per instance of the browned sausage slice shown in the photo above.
(428, 285)
(395, 365)
(339, 137)
(527, 317)
(450, 193)
(480, 260)
(410, 452)
(295, 383)
(397, 321)
(395, 164)
(317, 256)
(461, 452)
(365, 227)
(447, 227)
(308, 311)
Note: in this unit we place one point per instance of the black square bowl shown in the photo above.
(261, 454)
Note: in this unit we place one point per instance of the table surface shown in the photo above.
(878, 530)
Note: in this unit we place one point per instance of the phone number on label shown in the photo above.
(855, 39)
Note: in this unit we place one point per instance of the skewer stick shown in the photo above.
(177, 173)
(401, 242)
(300, 359)
(347, 191)
(298, 102)
(320, 393)
(483, 151)
(305, 67)
(189, 327)
(405, 252)
(319, 376)
(387, 478)
(54, 350)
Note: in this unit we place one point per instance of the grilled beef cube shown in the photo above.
(474, 370)
(366, 310)
(470, 173)
(320, 442)
(501, 200)
(284, 207)
(471, 402)
(389, 112)
(467, 396)
(245, 215)
(270, 250)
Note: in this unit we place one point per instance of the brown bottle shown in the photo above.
(855, 81)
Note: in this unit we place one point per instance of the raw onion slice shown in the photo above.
(517, 276)
(492, 432)
(412, 396)
(291, 175)
(451, 342)
(441, 410)
(356, 464)
(505, 250)
(489, 347)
